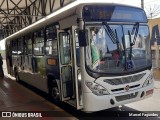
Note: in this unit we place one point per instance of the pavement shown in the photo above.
(156, 74)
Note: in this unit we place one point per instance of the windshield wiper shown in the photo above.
(110, 33)
(131, 44)
(113, 36)
(135, 33)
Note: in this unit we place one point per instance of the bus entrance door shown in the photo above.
(77, 73)
(69, 60)
(66, 66)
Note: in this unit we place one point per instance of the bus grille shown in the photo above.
(120, 89)
(126, 97)
(124, 80)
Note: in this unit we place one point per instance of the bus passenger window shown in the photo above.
(65, 48)
(51, 48)
(28, 44)
(51, 43)
(38, 43)
(14, 47)
(54, 49)
(20, 46)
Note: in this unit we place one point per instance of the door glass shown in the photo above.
(67, 81)
(77, 48)
(65, 48)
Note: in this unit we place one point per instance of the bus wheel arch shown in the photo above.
(53, 87)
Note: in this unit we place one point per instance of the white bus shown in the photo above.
(93, 56)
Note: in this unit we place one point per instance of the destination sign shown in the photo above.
(115, 13)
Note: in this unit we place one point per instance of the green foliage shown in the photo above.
(2, 51)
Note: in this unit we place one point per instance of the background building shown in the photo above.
(154, 26)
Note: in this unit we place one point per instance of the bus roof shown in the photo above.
(66, 11)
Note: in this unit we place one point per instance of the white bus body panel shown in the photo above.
(34, 79)
(92, 102)
(97, 103)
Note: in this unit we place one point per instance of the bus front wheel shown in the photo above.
(54, 92)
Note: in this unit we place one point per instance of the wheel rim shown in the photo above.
(55, 93)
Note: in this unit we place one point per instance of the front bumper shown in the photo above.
(94, 103)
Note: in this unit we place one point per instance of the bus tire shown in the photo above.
(54, 92)
(17, 77)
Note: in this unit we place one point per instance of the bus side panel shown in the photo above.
(25, 73)
(39, 72)
(34, 72)
(52, 66)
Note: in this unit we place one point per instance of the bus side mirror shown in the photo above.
(82, 38)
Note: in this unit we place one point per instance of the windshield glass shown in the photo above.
(117, 48)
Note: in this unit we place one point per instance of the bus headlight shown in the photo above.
(96, 88)
(148, 81)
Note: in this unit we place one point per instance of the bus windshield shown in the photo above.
(117, 48)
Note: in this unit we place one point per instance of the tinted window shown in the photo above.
(28, 44)
(20, 46)
(14, 47)
(38, 43)
(51, 43)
